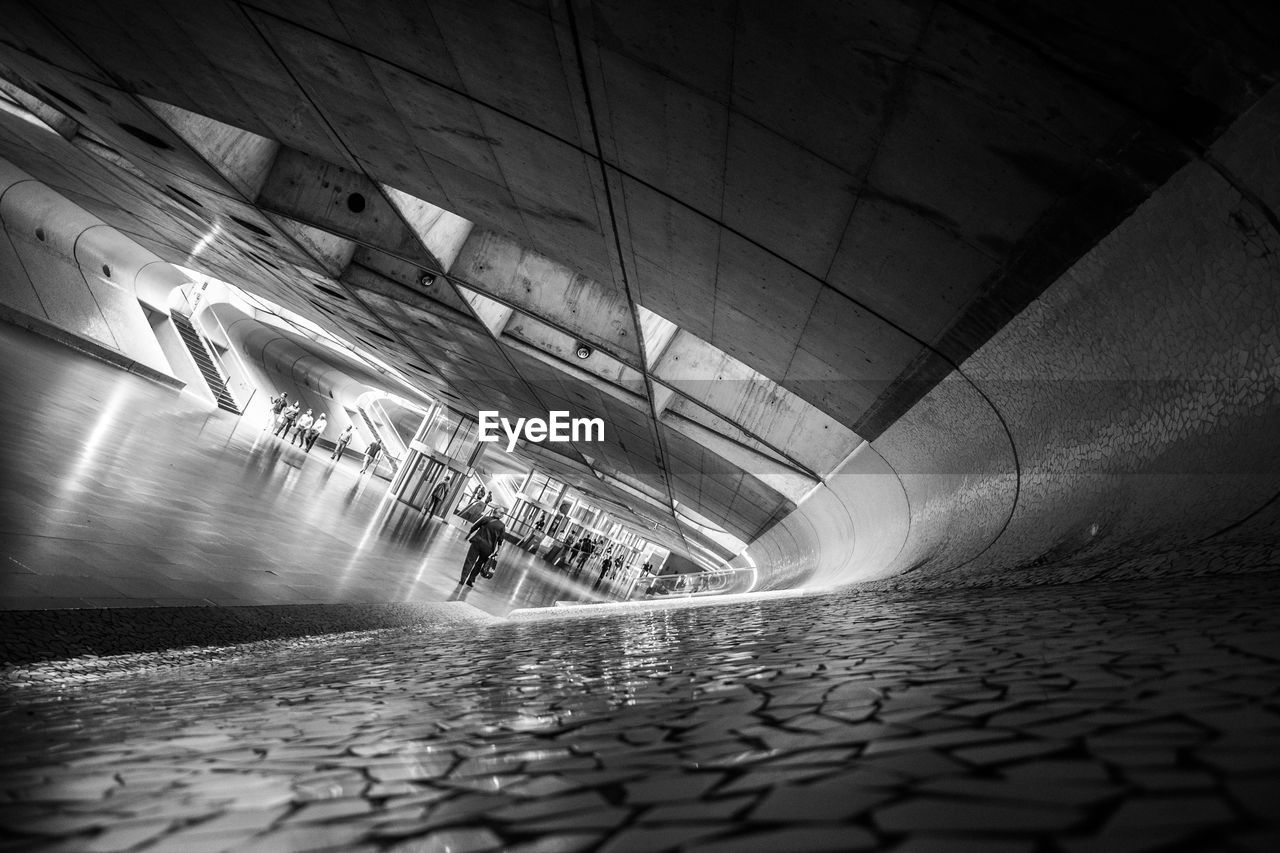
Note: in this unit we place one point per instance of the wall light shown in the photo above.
(583, 351)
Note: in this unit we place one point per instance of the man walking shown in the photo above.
(371, 454)
(605, 565)
(586, 548)
(486, 538)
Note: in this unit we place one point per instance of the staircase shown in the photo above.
(204, 360)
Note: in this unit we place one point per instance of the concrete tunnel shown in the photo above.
(946, 336)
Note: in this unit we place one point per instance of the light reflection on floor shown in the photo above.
(121, 493)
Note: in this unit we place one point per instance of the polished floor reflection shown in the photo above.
(120, 493)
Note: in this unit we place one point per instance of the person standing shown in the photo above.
(371, 453)
(316, 430)
(605, 565)
(585, 549)
(344, 438)
(277, 406)
(300, 427)
(287, 418)
(437, 495)
(569, 555)
(486, 537)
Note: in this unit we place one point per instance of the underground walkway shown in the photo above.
(960, 318)
(119, 493)
(1124, 716)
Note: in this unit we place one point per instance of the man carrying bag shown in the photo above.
(486, 537)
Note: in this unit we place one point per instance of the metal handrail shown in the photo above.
(694, 584)
(221, 365)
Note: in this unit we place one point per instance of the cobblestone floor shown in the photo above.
(1087, 717)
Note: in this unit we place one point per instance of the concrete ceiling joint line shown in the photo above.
(573, 20)
(1188, 147)
(37, 108)
(563, 294)
(892, 99)
(241, 157)
(276, 155)
(284, 154)
(863, 307)
(501, 348)
(453, 283)
(441, 232)
(729, 367)
(677, 420)
(354, 296)
(791, 460)
(598, 158)
(726, 158)
(599, 383)
(722, 446)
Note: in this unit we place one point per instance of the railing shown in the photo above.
(634, 584)
(244, 390)
(694, 584)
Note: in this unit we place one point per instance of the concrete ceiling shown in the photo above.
(776, 224)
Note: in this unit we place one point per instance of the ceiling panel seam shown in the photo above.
(892, 99)
(606, 165)
(598, 159)
(348, 288)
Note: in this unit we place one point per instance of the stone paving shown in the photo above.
(1085, 717)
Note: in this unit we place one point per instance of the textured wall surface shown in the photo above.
(1125, 423)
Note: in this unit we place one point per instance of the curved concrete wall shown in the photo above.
(1125, 423)
(64, 269)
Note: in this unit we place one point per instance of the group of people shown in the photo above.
(288, 418)
(488, 531)
(611, 567)
(576, 554)
(572, 554)
(306, 429)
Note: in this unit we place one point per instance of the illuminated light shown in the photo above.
(101, 428)
(376, 519)
(15, 109)
(205, 242)
(515, 593)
